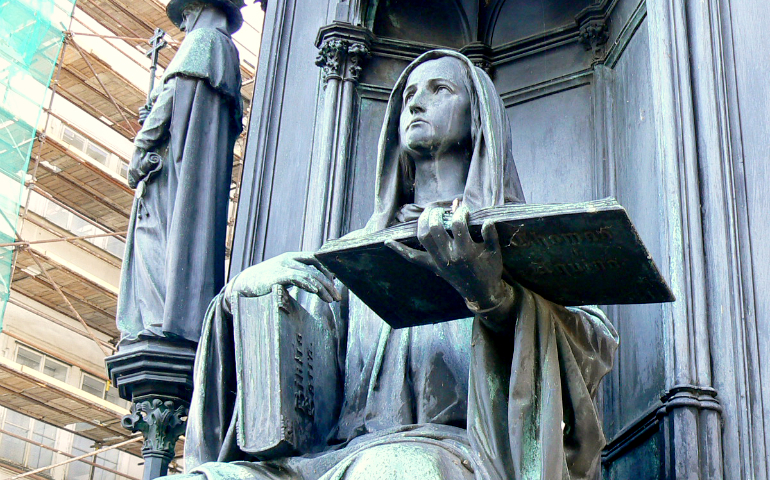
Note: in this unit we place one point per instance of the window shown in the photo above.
(82, 471)
(88, 147)
(123, 169)
(93, 385)
(16, 450)
(28, 358)
(44, 434)
(73, 138)
(42, 363)
(97, 153)
(67, 220)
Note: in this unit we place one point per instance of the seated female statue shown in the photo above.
(504, 394)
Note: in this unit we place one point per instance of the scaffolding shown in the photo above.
(32, 33)
(46, 55)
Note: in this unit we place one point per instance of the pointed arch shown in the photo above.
(443, 23)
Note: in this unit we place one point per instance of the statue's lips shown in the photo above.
(416, 122)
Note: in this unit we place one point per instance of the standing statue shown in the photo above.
(181, 170)
(504, 394)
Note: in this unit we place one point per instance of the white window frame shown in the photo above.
(43, 360)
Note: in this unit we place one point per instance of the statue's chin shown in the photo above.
(420, 146)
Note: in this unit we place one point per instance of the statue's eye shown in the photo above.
(445, 88)
(408, 97)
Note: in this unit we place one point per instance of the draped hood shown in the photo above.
(492, 177)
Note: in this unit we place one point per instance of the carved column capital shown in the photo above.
(358, 52)
(331, 57)
(342, 50)
(162, 421)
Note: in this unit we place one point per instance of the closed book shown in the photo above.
(286, 361)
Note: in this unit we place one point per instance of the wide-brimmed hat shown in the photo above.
(232, 8)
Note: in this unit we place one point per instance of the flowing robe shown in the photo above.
(175, 248)
(453, 400)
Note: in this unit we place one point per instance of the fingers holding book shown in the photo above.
(473, 268)
(300, 269)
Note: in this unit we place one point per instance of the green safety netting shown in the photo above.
(31, 37)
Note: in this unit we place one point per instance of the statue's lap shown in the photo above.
(401, 460)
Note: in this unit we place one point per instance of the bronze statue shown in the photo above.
(181, 169)
(504, 394)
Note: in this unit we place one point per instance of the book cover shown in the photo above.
(571, 254)
(286, 356)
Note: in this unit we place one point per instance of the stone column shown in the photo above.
(156, 375)
(690, 406)
(343, 49)
(162, 421)
(357, 53)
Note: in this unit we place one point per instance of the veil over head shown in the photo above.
(492, 177)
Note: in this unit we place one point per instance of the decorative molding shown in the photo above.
(534, 44)
(632, 435)
(374, 92)
(616, 49)
(692, 396)
(358, 52)
(161, 421)
(400, 49)
(680, 396)
(550, 87)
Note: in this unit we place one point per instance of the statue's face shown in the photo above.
(436, 113)
(190, 17)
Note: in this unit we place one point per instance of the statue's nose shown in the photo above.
(416, 108)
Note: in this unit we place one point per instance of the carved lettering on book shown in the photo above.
(527, 239)
(304, 391)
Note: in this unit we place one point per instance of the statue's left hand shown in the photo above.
(300, 269)
(473, 269)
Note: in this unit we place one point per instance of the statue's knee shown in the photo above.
(400, 461)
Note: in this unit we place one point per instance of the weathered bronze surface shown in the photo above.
(175, 247)
(181, 168)
(504, 394)
(571, 254)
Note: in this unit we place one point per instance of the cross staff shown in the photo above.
(157, 43)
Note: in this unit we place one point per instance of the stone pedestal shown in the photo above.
(156, 376)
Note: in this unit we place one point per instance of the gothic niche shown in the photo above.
(457, 23)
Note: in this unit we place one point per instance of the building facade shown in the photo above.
(56, 402)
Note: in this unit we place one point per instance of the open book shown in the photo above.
(571, 254)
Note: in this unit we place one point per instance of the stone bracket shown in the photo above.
(593, 28)
(156, 375)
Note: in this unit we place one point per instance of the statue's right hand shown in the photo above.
(300, 269)
(144, 110)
